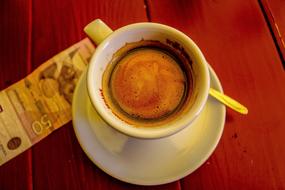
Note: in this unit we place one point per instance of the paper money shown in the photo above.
(40, 103)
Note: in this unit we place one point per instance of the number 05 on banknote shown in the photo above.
(40, 103)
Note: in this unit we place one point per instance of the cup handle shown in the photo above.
(97, 30)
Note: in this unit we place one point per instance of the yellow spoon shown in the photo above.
(98, 31)
(228, 101)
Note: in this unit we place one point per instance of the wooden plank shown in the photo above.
(236, 41)
(275, 13)
(58, 161)
(14, 65)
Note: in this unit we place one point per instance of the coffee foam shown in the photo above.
(148, 83)
(147, 90)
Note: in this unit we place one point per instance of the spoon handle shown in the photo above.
(228, 101)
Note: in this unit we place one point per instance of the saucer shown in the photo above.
(144, 161)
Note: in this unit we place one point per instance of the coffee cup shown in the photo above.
(146, 80)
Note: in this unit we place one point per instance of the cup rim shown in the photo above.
(140, 132)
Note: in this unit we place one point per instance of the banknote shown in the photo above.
(41, 102)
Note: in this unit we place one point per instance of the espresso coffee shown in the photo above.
(147, 83)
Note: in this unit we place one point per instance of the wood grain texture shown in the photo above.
(274, 12)
(236, 41)
(14, 61)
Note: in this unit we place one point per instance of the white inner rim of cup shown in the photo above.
(134, 33)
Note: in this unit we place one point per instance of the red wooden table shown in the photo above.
(238, 39)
